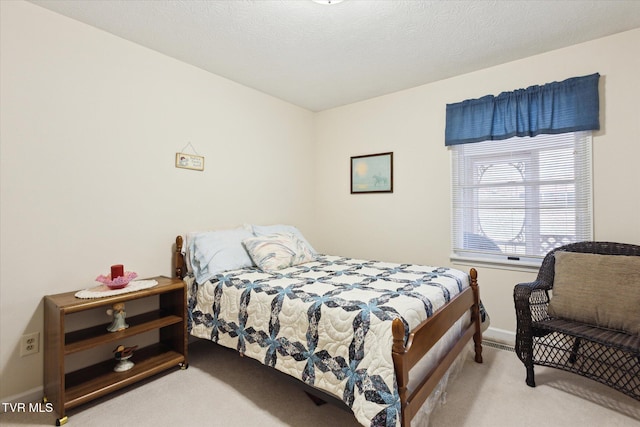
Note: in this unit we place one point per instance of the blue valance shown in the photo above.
(568, 106)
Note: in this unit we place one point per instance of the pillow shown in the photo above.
(187, 248)
(277, 251)
(602, 290)
(266, 230)
(213, 252)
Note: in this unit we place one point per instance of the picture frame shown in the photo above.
(372, 173)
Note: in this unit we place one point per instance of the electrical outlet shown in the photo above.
(30, 344)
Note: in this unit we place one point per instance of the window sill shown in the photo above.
(514, 265)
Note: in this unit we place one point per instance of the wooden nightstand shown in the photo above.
(68, 390)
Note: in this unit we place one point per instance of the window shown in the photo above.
(516, 199)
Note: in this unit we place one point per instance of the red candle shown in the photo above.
(117, 271)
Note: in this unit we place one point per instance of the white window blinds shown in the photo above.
(516, 199)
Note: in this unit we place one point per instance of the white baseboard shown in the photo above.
(33, 395)
(500, 336)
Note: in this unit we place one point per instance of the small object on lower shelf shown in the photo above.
(122, 355)
(119, 315)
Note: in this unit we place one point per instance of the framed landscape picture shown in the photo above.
(372, 173)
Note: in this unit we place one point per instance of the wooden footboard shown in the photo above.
(424, 337)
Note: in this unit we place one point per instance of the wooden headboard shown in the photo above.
(180, 266)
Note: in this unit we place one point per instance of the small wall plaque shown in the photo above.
(189, 161)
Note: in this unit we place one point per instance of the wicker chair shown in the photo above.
(607, 356)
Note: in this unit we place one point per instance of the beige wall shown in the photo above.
(413, 223)
(88, 119)
(90, 127)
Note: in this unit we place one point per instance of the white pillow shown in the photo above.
(187, 248)
(266, 230)
(214, 252)
(277, 251)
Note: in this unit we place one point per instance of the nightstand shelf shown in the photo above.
(90, 337)
(67, 390)
(151, 360)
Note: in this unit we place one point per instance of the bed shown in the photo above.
(381, 337)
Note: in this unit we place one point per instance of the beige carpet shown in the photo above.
(222, 389)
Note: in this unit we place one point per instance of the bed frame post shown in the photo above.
(402, 371)
(179, 260)
(475, 313)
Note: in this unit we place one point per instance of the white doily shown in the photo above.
(103, 291)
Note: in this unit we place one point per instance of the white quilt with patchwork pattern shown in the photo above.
(326, 322)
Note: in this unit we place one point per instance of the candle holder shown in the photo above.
(118, 282)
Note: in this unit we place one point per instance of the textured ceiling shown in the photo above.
(322, 56)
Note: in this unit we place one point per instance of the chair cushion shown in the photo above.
(602, 290)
